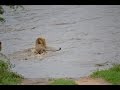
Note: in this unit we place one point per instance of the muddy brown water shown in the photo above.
(87, 34)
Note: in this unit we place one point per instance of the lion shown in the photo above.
(40, 46)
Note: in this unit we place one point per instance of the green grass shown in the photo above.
(111, 75)
(7, 77)
(62, 81)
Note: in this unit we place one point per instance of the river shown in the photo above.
(87, 34)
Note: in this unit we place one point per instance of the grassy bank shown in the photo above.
(7, 77)
(62, 81)
(111, 75)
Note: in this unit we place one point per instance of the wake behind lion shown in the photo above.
(40, 51)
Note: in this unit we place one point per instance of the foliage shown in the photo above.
(15, 7)
(111, 75)
(8, 77)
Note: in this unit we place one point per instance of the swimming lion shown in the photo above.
(40, 46)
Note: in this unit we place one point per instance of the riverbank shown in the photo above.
(7, 77)
(109, 76)
(100, 77)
